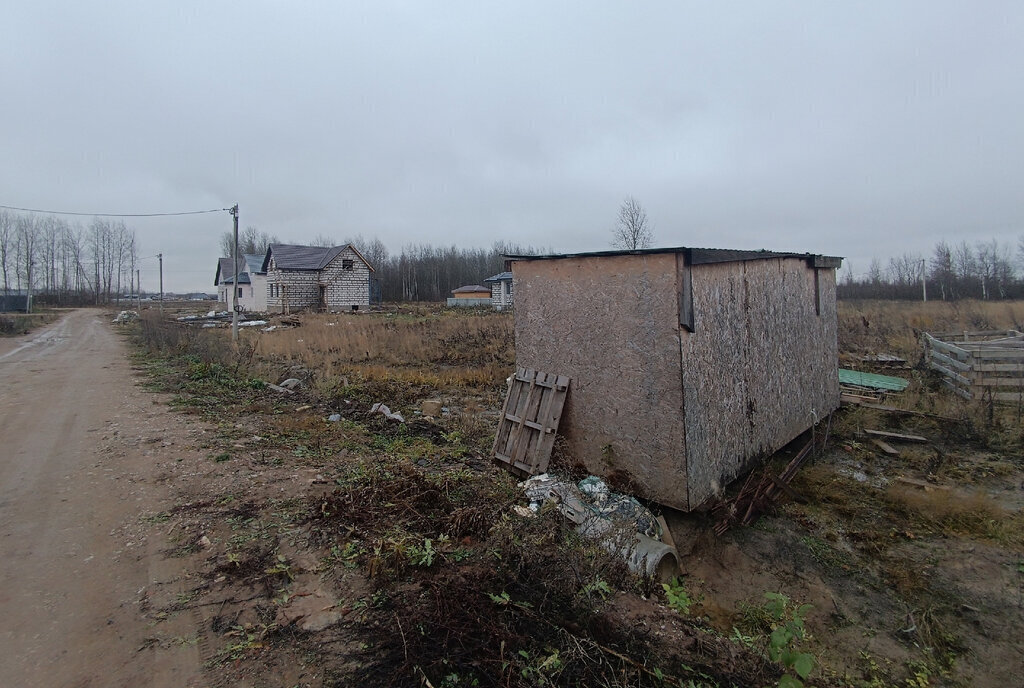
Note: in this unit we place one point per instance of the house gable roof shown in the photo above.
(253, 263)
(226, 273)
(295, 257)
(501, 276)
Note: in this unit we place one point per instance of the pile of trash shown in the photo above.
(622, 524)
(126, 317)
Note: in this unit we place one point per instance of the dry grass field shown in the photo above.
(370, 552)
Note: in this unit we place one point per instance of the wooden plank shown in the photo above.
(999, 368)
(859, 399)
(979, 333)
(528, 409)
(896, 436)
(886, 447)
(920, 483)
(949, 373)
(549, 417)
(847, 399)
(788, 489)
(959, 391)
(501, 436)
(998, 354)
(949, 361)
(1012, 397)
(999, 382)
(944, 346)
(684, 288)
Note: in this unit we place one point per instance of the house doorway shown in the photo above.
(323, 297)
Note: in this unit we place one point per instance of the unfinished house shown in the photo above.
(686, 365)
(252, 283)
(316, 278)
(501, 290)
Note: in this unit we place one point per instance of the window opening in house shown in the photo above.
(355, 307)
(239, 292)
(347, 264)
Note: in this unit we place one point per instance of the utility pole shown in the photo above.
(138, 290)
(161, 257)
(924, 282)
(234, 286)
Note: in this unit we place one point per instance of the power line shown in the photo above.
(63, 212)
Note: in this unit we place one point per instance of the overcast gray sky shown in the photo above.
(857, 129)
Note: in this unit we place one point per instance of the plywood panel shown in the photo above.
(760, 366)
(612, 325)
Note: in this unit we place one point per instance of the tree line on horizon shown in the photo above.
(64, 263)
(987, 270)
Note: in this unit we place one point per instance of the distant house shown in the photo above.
(252, 283)
(316, 278)
(501, 290)
(470, 295)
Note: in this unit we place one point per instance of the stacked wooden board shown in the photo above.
(979, 365)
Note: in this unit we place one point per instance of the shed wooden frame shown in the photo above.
(687, 365)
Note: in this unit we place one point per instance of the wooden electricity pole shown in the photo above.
(161, 257)
(234, 287)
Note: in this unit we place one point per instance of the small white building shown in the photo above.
(252, 283)
(501, 290)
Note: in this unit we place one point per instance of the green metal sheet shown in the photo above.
(886, 382)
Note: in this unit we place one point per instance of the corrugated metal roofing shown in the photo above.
(871, 380)
(698, 256)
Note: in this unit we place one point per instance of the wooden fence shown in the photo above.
(979, 365)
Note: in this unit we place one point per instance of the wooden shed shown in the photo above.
(687, 364)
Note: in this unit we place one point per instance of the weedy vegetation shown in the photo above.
(406, 532)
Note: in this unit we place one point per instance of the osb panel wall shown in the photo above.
(759, 367)
(611, 324)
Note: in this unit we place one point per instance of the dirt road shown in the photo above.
(78, 476)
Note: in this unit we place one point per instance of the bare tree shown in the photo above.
(27, 229)
(323, 241)
(632, 229)
(250, 240)
(942, 270)
(6, 246)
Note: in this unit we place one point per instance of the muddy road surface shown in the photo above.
(78, 475)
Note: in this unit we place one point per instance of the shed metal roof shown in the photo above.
(698, 256)
(471, 289)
